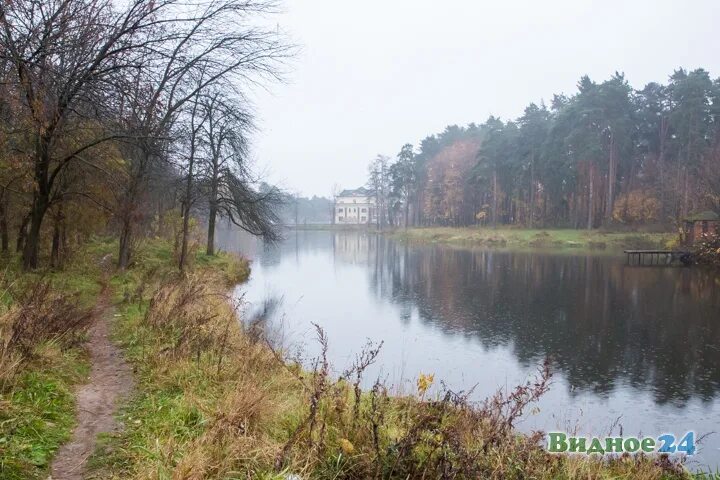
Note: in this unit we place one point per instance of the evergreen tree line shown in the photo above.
(129, 119)
(608, 155)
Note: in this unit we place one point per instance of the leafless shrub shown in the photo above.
(39, 314)
(354, 434)
(504, 409)
(363, 360)
(379, 403)
(317, 387)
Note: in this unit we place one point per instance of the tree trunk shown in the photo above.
(211, 229)
(494, 199)
(161, 218)
(685, 208)
(417, 219)
(676, 197)
(186, 212)
(125, 251)
(407, 211)
(4, 238)
(31, 248)
(55, 249)
(590, 201)
(611, 181)
(126, 227)
(686, 168)
(661, 167)
(185, 233)
(296, 210)
(187, 203)
(531, 201)
(40, 204)
(377, 209)
(22, 234)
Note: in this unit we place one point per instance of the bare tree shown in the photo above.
(334, 192)
(230, 187)
(209, 49)
(86, 70)
(62, 51)
(196, 119)
(379, 182)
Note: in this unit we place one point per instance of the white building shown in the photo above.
(355, 207)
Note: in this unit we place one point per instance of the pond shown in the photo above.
(632, 348)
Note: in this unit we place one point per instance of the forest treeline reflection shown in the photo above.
(602, 323)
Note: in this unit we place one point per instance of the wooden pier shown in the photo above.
(655, 257)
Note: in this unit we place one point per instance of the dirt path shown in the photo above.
(110, 380)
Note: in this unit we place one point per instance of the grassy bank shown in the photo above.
(537, 238)
(214, 400)
(43, 325)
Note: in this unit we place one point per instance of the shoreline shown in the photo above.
(537, 239)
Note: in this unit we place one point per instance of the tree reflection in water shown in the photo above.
(600, 321)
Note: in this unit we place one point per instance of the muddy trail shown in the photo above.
(110, 381)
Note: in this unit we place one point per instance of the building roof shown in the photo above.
(706, 216)
(358, 192)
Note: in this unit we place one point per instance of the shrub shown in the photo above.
(38, 315)
(637, 206)
(706, 251)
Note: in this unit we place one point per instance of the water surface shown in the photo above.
(638, 344)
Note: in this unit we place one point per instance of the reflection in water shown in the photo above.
(633, 341)
(600, 321)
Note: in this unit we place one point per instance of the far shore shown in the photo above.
(526, 238)
(540, 238)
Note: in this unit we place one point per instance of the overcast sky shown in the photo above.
(372, 75)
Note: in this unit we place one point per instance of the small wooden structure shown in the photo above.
(655, 257)
(698, 224)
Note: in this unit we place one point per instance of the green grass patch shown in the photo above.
(38, 413)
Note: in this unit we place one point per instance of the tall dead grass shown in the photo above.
(37, 314)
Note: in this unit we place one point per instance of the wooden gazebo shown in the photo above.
(700, 223)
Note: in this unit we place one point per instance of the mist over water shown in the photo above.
(636, 346)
